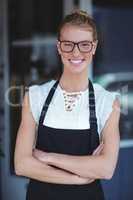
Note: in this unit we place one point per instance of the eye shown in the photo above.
(85, 44)
(67, 44)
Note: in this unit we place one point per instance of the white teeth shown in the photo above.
(76, 61)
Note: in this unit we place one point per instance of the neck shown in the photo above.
(73, 83)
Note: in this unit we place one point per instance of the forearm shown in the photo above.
(43, 172)
(95, 167)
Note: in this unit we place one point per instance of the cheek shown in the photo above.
(88, 57)
(64, 56)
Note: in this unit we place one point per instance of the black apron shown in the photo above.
(66, 141)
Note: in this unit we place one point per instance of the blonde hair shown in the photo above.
(79, 18)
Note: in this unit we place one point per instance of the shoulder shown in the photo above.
(42, 88)
(102, 94)
(105, 102)
(37, 93)
(37, 97)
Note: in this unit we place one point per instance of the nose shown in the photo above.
(76, 51)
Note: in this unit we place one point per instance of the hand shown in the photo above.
(98, 150)
(81, 180)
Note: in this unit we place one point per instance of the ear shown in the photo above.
(94, 47)
(58, 46)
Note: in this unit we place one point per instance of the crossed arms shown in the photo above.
(41, 165)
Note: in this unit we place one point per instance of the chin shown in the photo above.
(77, 69)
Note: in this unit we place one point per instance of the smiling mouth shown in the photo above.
(76, 61)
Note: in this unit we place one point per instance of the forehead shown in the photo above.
(76, 33)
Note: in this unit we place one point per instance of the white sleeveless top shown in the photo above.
(78, 118)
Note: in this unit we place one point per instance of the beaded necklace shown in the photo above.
(71, 99)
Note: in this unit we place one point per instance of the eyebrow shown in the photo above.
(75, 41)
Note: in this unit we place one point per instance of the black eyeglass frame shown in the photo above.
(76, 44)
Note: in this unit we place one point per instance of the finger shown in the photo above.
(98, 149)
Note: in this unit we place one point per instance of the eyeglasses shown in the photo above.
(83, 46)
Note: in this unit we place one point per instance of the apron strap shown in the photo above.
(92, 107)
(93, 118)
(47, 101)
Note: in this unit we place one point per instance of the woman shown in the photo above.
(77, 141)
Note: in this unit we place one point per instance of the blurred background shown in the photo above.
(28, 56)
